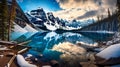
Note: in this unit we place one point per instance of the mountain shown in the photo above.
(48, 22)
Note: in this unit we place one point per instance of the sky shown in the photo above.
(47, 5)
(72, 9)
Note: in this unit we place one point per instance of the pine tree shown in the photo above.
(102, 17)
(98, 18)
(118, 13)
(109, 13)
(3, 21)
(0, 20)
(11, 17)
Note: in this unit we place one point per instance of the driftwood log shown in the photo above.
(19, 52)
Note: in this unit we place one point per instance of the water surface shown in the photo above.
(43, 42)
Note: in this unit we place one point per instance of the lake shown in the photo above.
(42, 43)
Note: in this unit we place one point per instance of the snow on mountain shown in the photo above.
(112, 51)
(28, 16)
(87, 22)
(29, 28)
(50, 27)
(48, 20)
(74, 24)
(71, 28)
(19, 31)
(38, 19)
(17, 28)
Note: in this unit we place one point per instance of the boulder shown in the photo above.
(109, 56)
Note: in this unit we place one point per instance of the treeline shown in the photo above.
(7, 16)
(118, 12)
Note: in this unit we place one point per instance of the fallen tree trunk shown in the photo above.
(23, 43)
(23, 50)
(11, 43)
(11, 60)
(6, 43)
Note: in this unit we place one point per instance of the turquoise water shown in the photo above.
(42, 42)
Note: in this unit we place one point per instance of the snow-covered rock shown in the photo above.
(98, 49)
(117, 35)
(112, 51)
(22, 63)
(87, 44)
(29, 28)
(109, 43)
(29, 55)
(50, 27)
(115, 40)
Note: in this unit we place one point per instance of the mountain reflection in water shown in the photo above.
(43, 42)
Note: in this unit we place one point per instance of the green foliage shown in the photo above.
(118, 13)
(4, 19)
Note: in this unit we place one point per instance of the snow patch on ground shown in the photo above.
(112, 51)
(115, 40)
(22, 62)
(110, 32)
(84, 43)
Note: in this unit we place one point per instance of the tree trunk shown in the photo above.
(11, 17)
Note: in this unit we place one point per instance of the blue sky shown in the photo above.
(47, 5)
(71, 9)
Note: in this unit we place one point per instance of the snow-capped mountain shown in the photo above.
(47, 21)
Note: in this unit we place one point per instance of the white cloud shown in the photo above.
(69, 13)
(81, 9)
